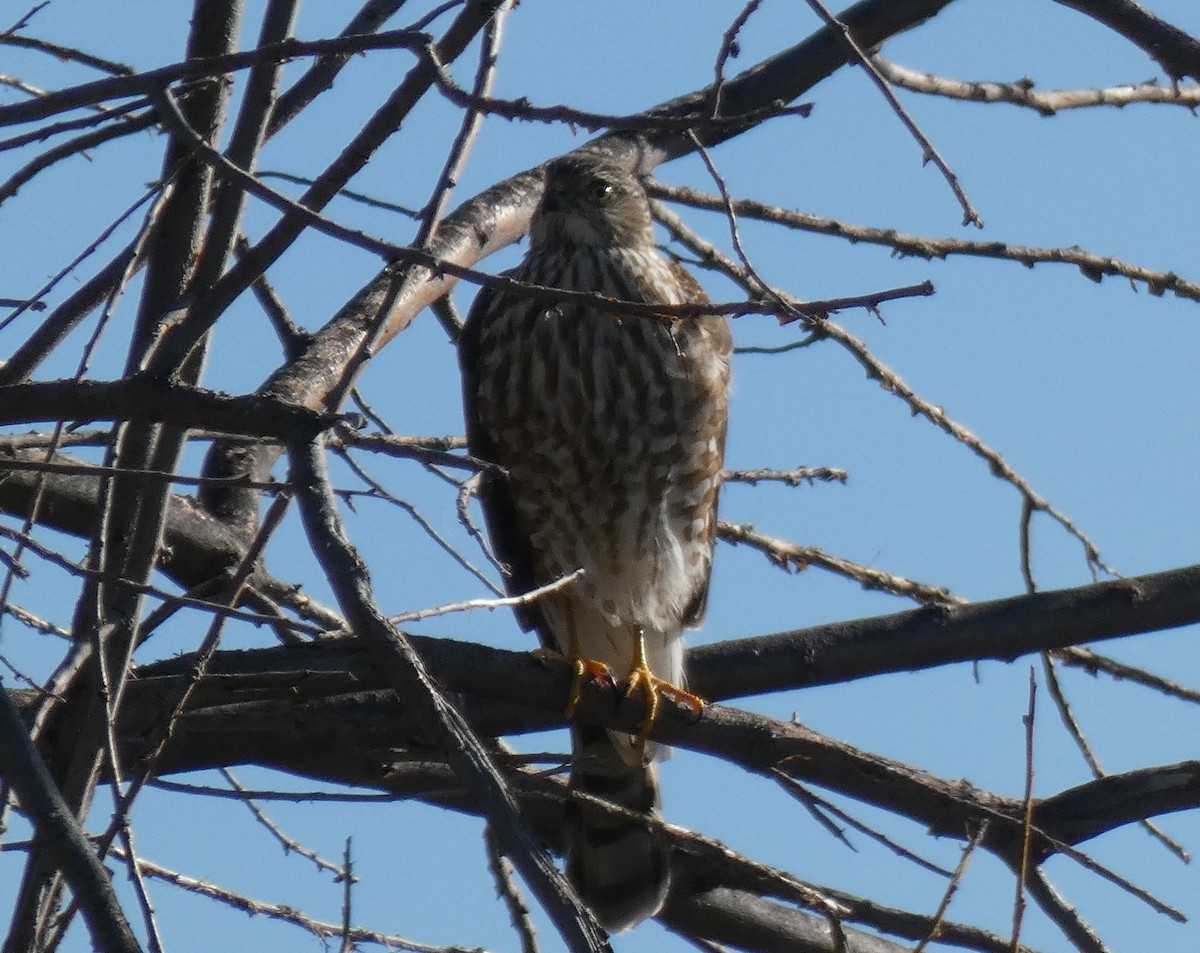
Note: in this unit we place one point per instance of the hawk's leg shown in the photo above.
(640, 676)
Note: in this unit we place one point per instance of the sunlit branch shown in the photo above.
(1022, 92)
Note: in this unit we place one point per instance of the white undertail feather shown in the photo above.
(596, 638)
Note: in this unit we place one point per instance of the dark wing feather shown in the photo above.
(720, 340)
(499, 512)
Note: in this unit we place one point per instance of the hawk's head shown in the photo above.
(590, 201)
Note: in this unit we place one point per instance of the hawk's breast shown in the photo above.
(611, 428)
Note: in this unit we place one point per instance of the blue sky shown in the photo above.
(1089, 390)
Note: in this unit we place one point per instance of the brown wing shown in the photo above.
(509, 544)
(717, 339)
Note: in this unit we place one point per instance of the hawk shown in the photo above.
(608, 433)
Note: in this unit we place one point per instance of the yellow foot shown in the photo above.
(641, 677)
(581, 668)
(585, 667)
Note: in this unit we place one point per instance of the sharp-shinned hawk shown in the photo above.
(609, 428)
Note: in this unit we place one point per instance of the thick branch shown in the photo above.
(830, 653)
(152, 400)
(751, 922)
(197, 548)
(1176, 52)
(1004, 629)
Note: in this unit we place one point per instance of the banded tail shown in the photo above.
(620, 868)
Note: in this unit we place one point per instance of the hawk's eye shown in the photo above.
(600, 192)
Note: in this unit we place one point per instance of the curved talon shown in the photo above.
(640, 676)
(583, 667)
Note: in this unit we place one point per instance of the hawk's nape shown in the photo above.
(608, 430)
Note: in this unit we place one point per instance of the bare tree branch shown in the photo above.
(1022, 91)
(406, 672)
(22, 767)
(1176, 52)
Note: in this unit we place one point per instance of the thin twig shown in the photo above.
(426, 449)
(26, 17)
(789, 308)
(42, 133)
(522, 600)
(462, 506)
(370, 201)
(795, 558)
(291, 797)
(730, 48)
(460, 148)
(287, 913)
(75, 262)
(378, 490)
(62, 53)
(1092, 662)
(794, 477)
(510, 892)
(1075, 730)
(1026, 862)
(1077, 930)
(64, 150)
(347, 879)
(289, 844)
(939, 915)
(928, 152)
(198, 67)
(32, 621)
(448, 317)
(817, 806)
(1091, 265)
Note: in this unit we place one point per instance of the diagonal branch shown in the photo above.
(1173, 49)
(405, 671)
(22, 767)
